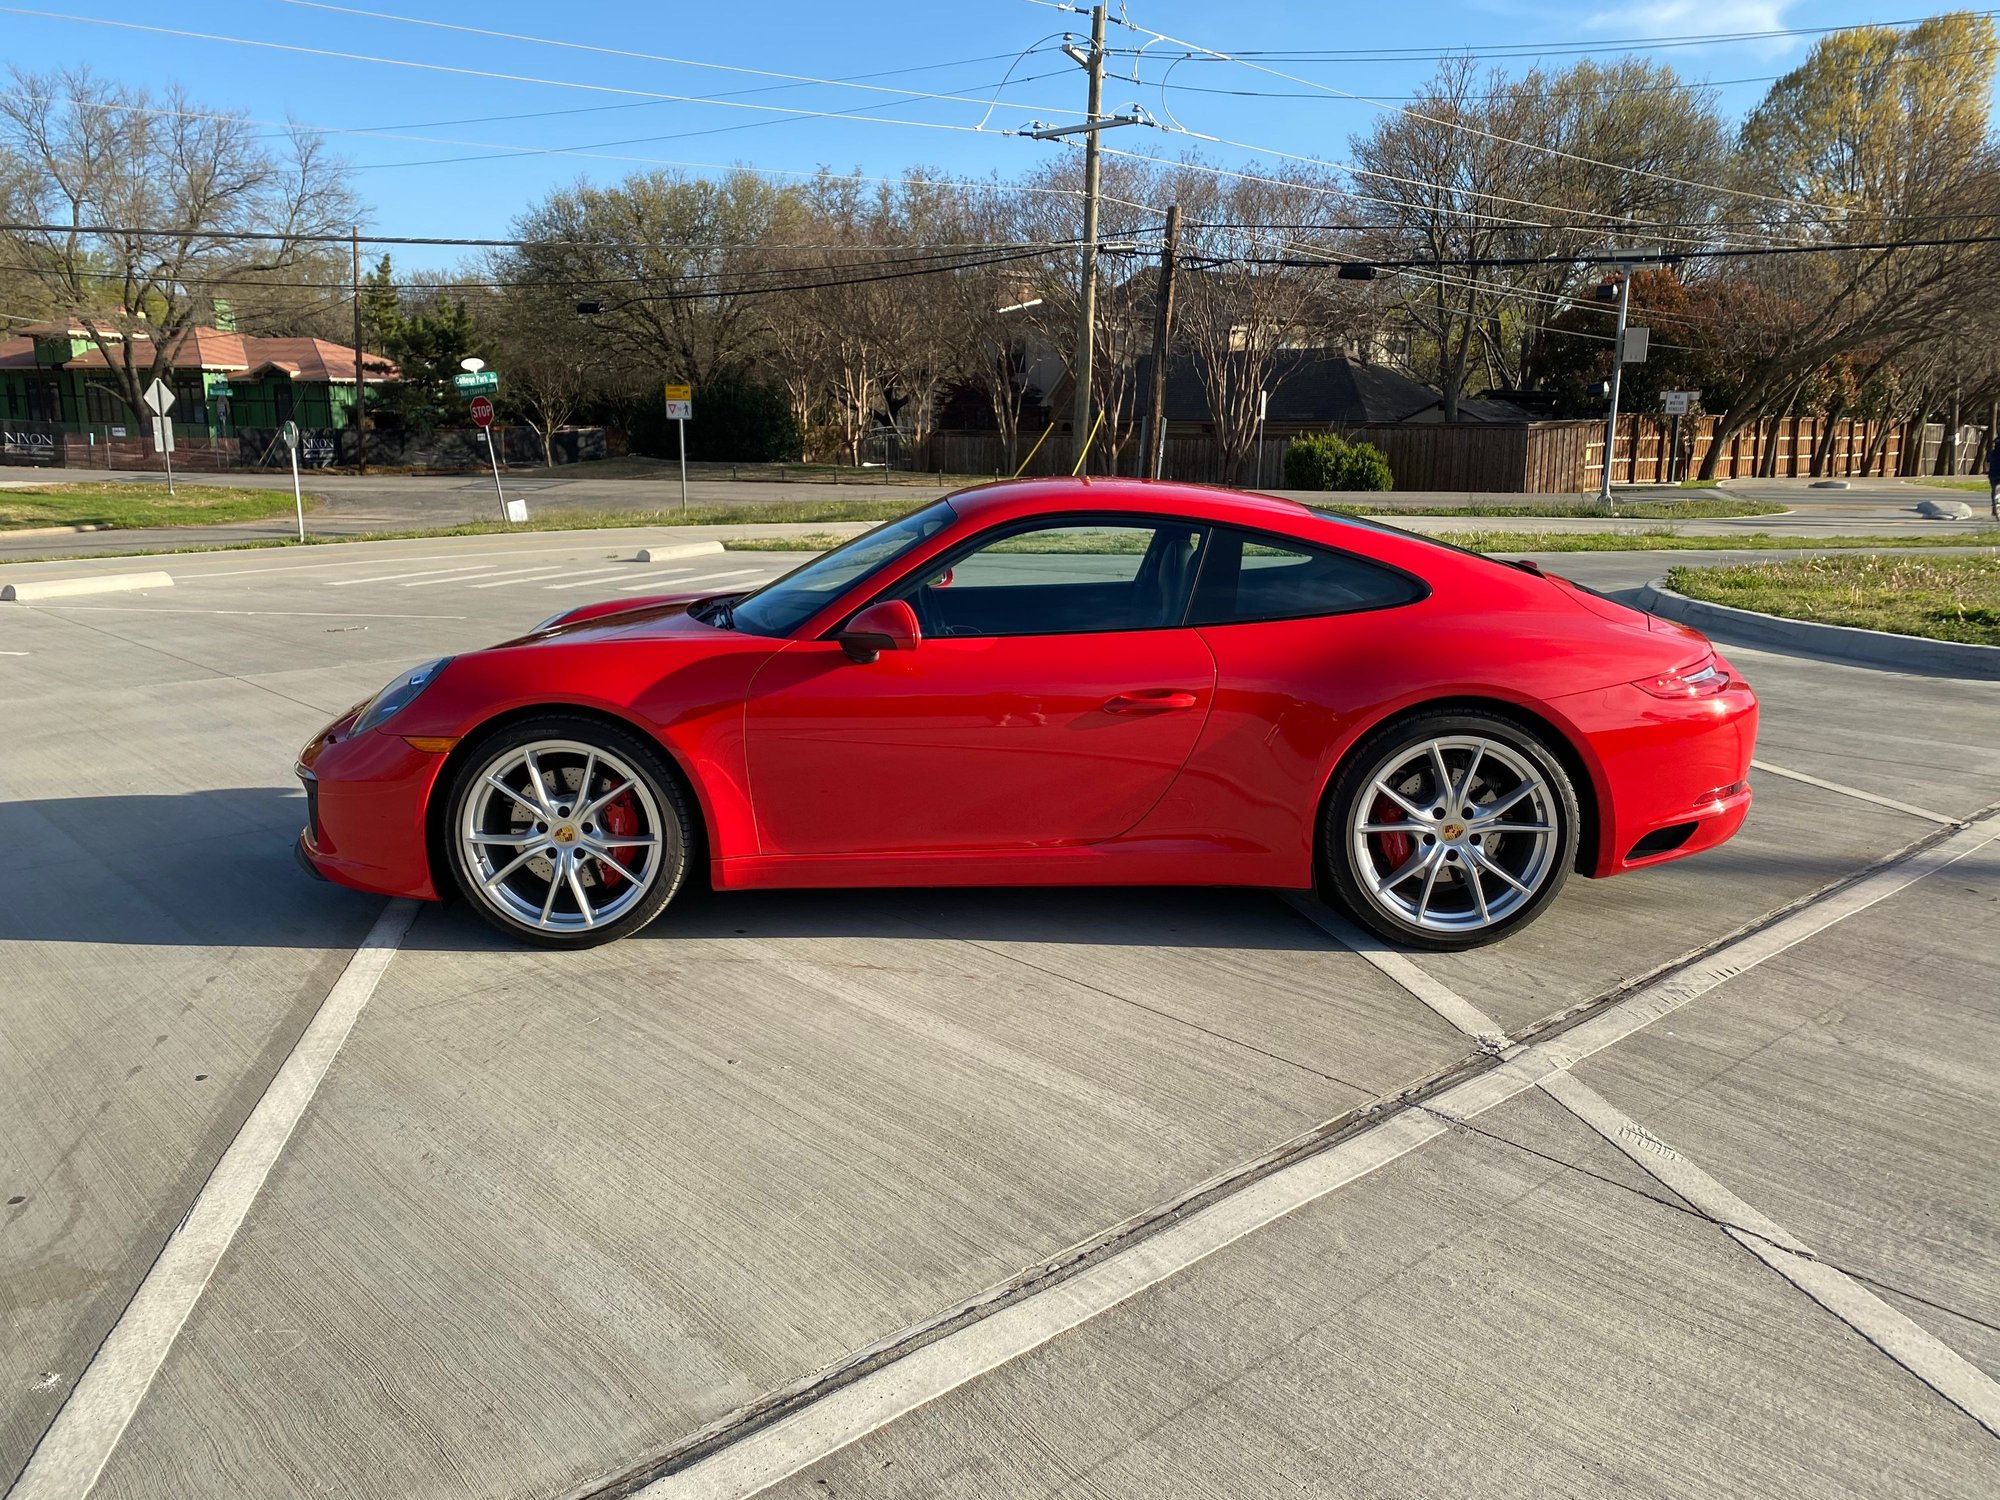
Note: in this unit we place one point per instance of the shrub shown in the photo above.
(1366, 468)
(1314, 463)
(1327, 461)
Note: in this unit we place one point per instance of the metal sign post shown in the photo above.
(1675, 404)
(290, 432)
(680, 407)
(161, 400)
(482, 414)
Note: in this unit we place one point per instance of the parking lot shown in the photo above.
(1686, 1190)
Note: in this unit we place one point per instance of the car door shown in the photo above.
(1056, 692)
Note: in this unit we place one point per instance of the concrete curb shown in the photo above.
(29, 590)
(1875, 648)
(668, 551)
(14, 531)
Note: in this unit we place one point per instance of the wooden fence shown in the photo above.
(1534, 458)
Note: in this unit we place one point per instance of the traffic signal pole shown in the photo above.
(1617, 379)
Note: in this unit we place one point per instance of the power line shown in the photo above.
(1372, 56)
(1442, 120)
(464, 72)
(681, 62)
(1499, 262)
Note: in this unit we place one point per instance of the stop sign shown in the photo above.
(482, 411)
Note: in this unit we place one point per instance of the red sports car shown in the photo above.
(1054, 682)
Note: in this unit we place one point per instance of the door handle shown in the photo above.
(1145, 700)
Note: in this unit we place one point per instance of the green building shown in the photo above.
(54, 389)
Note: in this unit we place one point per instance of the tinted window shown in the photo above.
(1062, 578)
(781, 607)
(1250, 577)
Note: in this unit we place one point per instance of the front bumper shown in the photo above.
(366, 800)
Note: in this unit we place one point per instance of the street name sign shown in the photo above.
(479, 380)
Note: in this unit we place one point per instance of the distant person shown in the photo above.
(1993, 476)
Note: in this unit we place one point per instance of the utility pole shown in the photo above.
(1092, 62)
(360, 378)
(1086, 332)
(1153, 453)
(1617, 375)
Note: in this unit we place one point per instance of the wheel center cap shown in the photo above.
(1453, 830)
(565, 834)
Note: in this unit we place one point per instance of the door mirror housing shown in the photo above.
(887, 625)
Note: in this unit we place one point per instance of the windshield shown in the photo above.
(781, 607)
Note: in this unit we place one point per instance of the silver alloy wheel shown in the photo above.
(561, 836)
(1454, 834)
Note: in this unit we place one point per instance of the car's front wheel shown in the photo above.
(1450, 829)
(566, 831)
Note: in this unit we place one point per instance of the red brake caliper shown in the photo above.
(620, 816)
(1395, 847)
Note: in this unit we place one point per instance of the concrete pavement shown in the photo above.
(550, 1215)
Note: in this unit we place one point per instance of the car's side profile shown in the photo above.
(1055, 682)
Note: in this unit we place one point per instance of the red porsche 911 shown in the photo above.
(1054, 682)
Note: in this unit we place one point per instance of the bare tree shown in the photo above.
(157, 197)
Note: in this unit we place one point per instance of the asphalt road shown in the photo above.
(1120, 1193)
(351, 505)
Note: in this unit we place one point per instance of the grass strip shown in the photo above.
(130, 506)
(1941, 598)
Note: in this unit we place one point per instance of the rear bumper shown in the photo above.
(1675, 773)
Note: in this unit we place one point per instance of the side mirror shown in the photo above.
(888, 625)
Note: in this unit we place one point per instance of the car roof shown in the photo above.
(1008, 498)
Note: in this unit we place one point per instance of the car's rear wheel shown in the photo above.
(1450, 829)
(566, 831)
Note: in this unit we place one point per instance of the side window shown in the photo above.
(1063, 578)
(1250, 577)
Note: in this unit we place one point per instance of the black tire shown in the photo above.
(578, 763)
(1477, 869)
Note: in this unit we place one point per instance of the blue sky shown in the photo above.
(434, 164)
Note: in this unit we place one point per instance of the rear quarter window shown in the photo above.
(1247, 576)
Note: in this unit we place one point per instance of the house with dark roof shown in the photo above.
(1315, 389)
(56, 376)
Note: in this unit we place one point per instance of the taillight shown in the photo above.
(1702, 681)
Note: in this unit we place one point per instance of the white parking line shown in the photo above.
(72, 1453)
(702, 578)
(431, 583)
(895, 1387)
(594, 577)
(521, 575)
(1856, 792)
(1924, 1355)
(342, 583)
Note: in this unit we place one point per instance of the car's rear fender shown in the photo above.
(1570, 747)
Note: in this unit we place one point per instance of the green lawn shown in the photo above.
(1944, 598)
(1976, 486)
(1637, 510)
(1662, 540)
(125, 506)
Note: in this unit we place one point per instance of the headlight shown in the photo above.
(399, 694)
